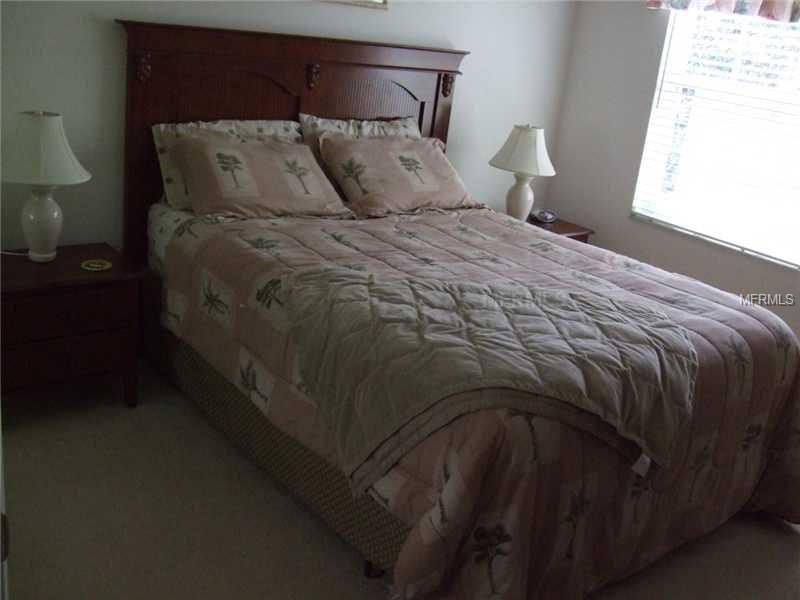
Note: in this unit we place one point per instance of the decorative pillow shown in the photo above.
(393, 175)
(165, 134)
(266, 179)
(313, 128)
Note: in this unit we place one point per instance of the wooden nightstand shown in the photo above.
(62, 323)
(565, 228)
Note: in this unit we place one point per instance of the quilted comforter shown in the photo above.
(511, 501)
(388, 360)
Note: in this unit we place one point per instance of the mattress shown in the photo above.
(502, 502)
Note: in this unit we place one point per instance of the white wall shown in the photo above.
(607, 99)
(69, 58)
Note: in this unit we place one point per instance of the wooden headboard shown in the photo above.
(178, 74)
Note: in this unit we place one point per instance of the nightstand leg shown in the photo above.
(130, 388)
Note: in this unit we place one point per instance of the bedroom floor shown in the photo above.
(106, 502)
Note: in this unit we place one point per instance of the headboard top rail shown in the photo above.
(164, 37)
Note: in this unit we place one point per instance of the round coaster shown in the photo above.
(96, 264)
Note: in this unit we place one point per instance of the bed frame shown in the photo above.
(178, 73)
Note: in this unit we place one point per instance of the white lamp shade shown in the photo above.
(39, 153)
(524, 152)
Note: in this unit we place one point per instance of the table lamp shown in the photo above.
(525, 155)
(39, 155)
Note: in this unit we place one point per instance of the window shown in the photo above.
(722, 153)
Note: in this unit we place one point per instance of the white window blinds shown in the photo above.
(722, 153)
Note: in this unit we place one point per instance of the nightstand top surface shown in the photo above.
(19, 274)
(562, 227)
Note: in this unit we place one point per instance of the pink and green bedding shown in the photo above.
(522, 495)
(385, 175)
(391, 360)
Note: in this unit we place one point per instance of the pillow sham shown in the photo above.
(165, 134)
(266, 179)
(313, 128)
(387, 175)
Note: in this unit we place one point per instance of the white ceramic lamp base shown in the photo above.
(41, 224)
(519, 199)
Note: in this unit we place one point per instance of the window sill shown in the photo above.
(712, 240)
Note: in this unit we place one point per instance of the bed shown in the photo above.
(498, 492)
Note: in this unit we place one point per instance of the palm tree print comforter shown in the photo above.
(508, 503)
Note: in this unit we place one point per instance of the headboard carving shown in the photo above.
(447, 84)
(143, 68)
(312, 72)
(178, 73)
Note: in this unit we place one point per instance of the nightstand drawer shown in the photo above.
(42, 317)
(106, 352)
(37, 363)
(53, 361)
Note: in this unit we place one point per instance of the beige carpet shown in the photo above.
(151, 503)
